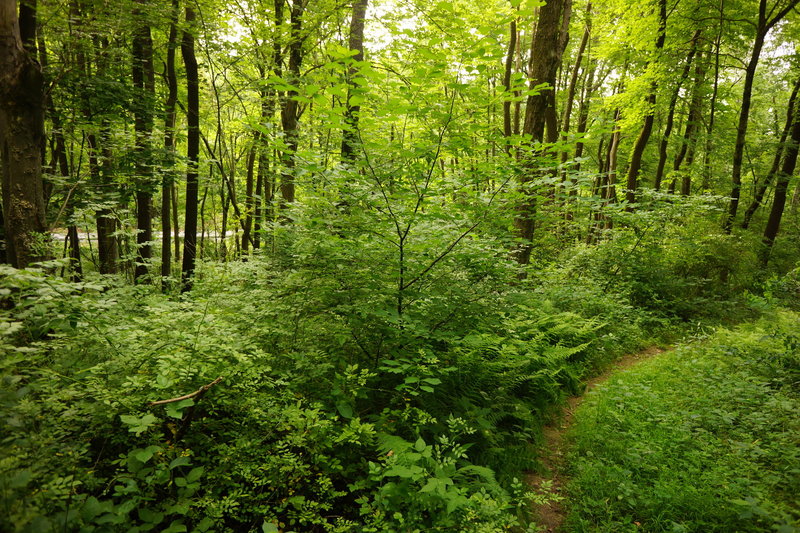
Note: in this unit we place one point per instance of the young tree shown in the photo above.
(192, 150)
(647, 127)
(21, 136)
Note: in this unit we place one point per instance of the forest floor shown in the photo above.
(551, 512)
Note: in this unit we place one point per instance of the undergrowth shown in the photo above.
(337, 404)
(702, 439)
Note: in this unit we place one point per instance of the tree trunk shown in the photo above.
(647, 128)
(662, 148)
(21, 137)
(779, 202)
(776, 161)
(545, 59)
(192, 151)
(289, 109)
(144, 92)
(693, 121)
(352, 110)
(762, 29)
(168, 180)
(508, 70)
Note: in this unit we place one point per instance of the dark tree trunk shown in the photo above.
(192, 151)
(762, 28)
(781, 186)
(776, 161)
(144, 92)
(693, 121)
(21, 136)
(508, 70)
(289, 109)
(168, 181)
(662, 148)
(545, 59)
(644, 136)
(352, 110)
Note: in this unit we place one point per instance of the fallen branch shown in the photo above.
(199, 392)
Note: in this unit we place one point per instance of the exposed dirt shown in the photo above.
(550, 515)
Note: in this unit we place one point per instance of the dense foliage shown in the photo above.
(392, 237)
(701, 439)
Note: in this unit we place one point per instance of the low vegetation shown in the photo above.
(702, 438)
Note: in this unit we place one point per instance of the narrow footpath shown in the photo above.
(551, 514)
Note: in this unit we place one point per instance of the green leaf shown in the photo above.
(344, 409)
(179, 461)
(146, 454)
(269, 527)
(151, 517)
(175, 409)
(419, 445)
(138, 425)
(195, 474)
(175, 527)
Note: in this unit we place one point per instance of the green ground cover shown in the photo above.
(702, 438)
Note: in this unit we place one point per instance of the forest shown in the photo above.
(343, 266)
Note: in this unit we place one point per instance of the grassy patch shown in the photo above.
(704, 438)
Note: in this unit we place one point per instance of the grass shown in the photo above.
(703, 438)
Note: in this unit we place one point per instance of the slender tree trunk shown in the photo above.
(781, 186)
(289, 109)
(144, 85)
(776, 161)
(713, 104)
(662, 148)
(192, 150)
(168, 180)
(352, 109)
(695, 117)
(573, 82)
(508, 70)
(762, 28)
(21, 140)
(647, 128)
(249, 200)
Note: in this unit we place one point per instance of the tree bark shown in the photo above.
(545, 59)
(781, 186)
(144, 92)
(192, 151)
(352, 110)
(695, 117)
(762, 28)
(21, 136)
(662, 148)
(644, 136)
(776, 161)
(168, 181)
(289, 109)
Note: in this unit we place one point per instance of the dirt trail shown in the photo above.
(550, 515)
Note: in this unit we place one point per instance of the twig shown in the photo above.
(199, 392)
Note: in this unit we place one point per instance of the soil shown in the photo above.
(551, 514)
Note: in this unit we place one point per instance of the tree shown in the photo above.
(192, 150)
(647, 127)
(544, 62)
(352, 109)
(22, 107)
(782, 184)
(144, 87)
(766, 21)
